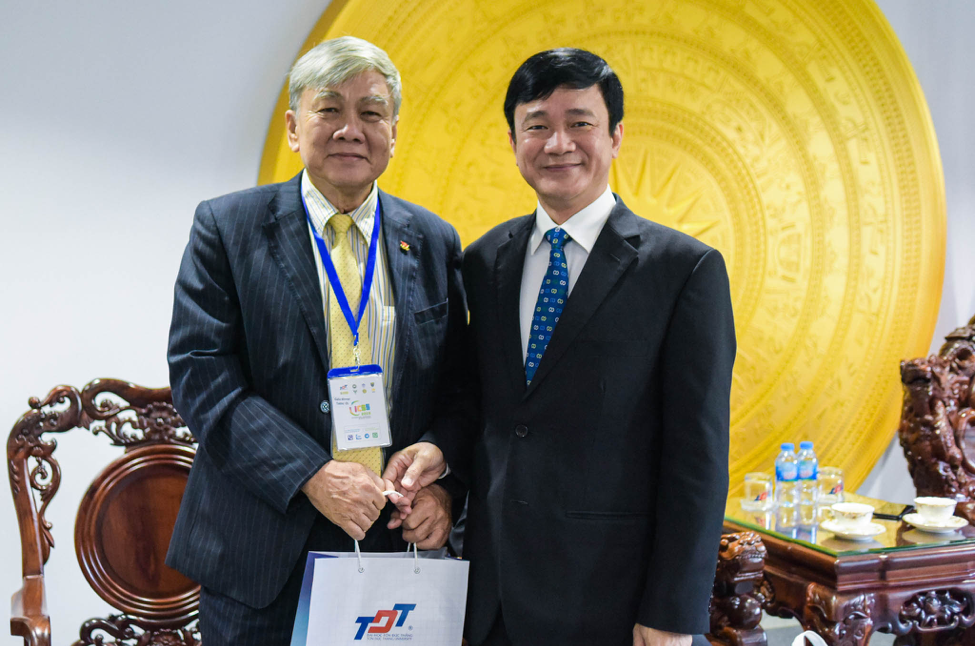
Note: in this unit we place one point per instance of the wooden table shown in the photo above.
(913, 584)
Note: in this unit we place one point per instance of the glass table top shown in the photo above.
(898, 534)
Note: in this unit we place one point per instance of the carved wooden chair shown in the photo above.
(938, 421)
(125, 518)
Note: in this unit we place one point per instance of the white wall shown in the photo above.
(937, 39)
(117, 117)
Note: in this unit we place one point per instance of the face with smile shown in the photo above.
(564, 148)
(345, 136)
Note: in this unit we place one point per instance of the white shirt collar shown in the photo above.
(320, 209)
(583, 227)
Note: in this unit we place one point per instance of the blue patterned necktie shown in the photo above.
(551, 300)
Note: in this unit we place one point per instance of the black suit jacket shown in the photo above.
(598, 492)
(248, 358)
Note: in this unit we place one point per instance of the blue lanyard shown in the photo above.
(333, 277)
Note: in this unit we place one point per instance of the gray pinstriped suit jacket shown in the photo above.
(248, 358)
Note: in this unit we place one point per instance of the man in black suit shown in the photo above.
(603, 346)
(258, 321)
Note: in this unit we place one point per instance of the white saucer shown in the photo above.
(939, 527)
(866, 532)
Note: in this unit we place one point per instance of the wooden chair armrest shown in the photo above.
(28, 613)
(740, 592)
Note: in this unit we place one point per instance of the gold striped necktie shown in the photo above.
(339, 334)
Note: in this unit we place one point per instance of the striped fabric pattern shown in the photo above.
(380, 316)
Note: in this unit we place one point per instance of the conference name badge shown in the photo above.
(359, 416)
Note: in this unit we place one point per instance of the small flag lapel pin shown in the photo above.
(404, 246)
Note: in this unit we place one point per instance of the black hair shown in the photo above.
(577, 69)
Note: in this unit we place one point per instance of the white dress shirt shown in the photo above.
(583, 228)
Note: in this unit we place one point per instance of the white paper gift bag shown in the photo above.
(351, 598)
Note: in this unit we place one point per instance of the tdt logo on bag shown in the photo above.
(385, 621)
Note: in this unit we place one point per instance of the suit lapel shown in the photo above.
(403, 268)
(508, 268)
(614, 250)
(286, 228)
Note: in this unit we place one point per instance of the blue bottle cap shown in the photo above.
(788, 446)
(805, 445)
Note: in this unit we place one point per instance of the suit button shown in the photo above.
(324, 406)
(521, 430)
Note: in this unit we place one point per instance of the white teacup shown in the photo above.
(935, 510)
(852, 515)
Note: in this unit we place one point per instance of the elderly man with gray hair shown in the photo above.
(287, 295)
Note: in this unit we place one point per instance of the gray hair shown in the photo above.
(335, 61)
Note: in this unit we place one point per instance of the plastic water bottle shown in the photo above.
(786, 478)
(808, 488)
(808, 463)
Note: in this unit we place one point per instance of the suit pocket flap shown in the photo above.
(431, 313)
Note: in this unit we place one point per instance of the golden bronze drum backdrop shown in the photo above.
(791, 135)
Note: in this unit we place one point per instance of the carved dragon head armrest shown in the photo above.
(740, 591)
(938, 413)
